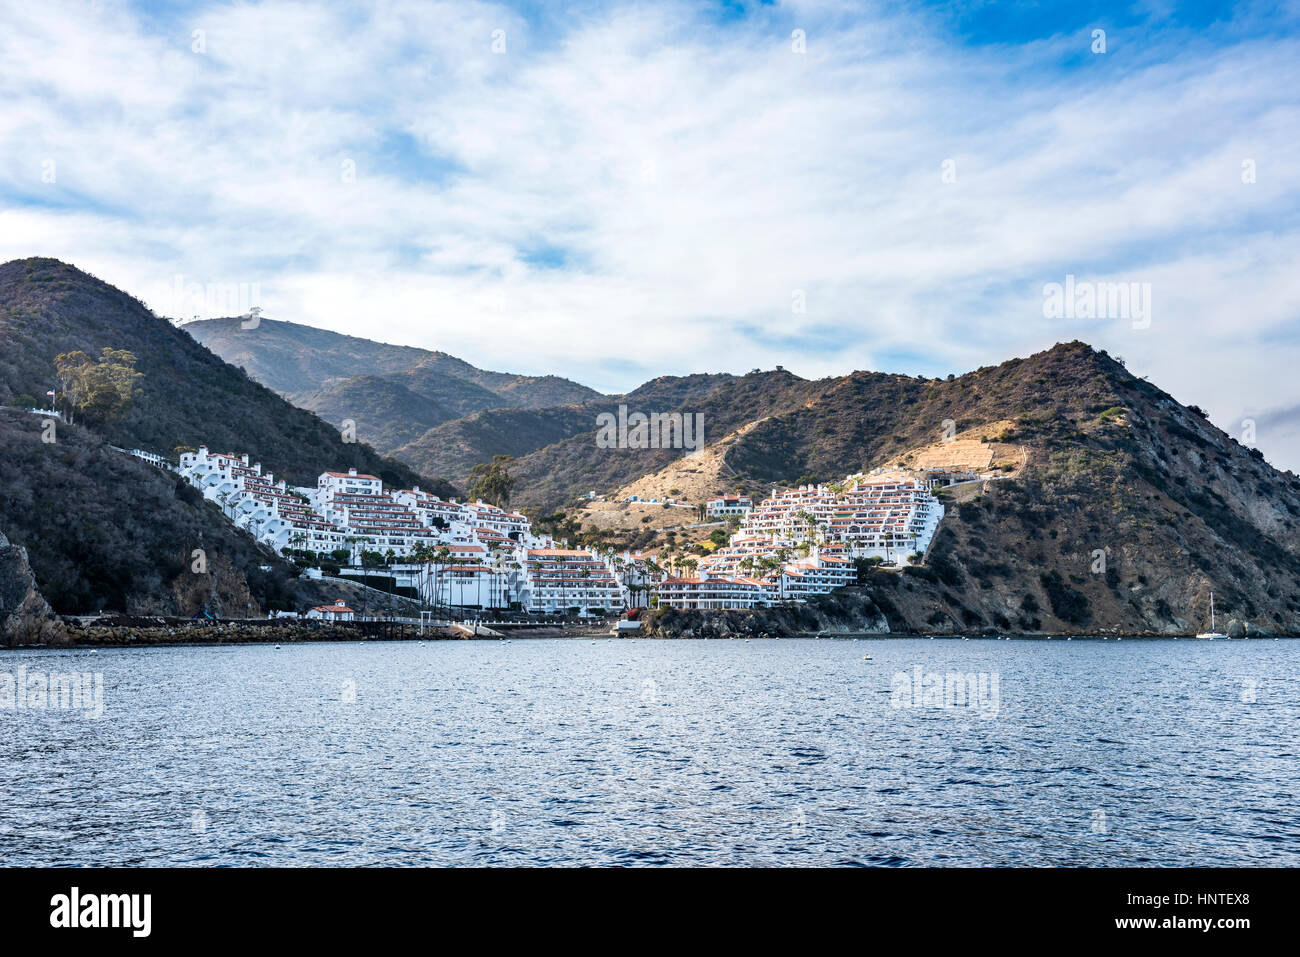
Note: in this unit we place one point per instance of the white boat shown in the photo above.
(1211, 634)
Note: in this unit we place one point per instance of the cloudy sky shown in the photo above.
(617, 191)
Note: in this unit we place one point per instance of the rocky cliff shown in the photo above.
(25, 616)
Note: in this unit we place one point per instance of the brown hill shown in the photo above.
(386, 414)
(457, 446)
(293, 359)
(1121, 510)
(401, 391)
(557, 474)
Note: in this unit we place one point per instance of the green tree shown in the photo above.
(100, 389)
(491, 481)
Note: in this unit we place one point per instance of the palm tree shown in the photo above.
(440, 559)
(352, 541)
(421, 555)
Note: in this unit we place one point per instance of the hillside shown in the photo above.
(104, 530)
(1121, 510)
(129, 551)
(399, 407)
(558, 473)
(187, 397)
(1094, 462)
(386, 414)
(457, 446)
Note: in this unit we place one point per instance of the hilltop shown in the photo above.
(294, 359)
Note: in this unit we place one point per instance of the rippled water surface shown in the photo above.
(660, 752)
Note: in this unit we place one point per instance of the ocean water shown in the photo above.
(643, 752)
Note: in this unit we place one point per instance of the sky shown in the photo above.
(616, 191)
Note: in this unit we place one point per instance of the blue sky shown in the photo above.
(615, 191)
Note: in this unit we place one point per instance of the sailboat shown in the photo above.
(1211, 634)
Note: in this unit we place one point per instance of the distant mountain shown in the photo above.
(385, 413)
(393, 409)
(521, 391)
(294, 359)
(455, 447)
(458, 396)
(345, 377)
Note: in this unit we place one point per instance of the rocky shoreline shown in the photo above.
(853, 612)
(144, 631)
(799, 621)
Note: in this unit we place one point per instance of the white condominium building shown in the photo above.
(713, 594)
(350, 510)
(794, 513)
(889, 516)
(816, 575)
(257, 503)
(379, 522)
(797, 580)
(469, 586)
(349, 483)
(559, 579)
(483, 515)
(726, 505)
(803, 541)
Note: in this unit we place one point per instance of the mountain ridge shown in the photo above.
(341, 377)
